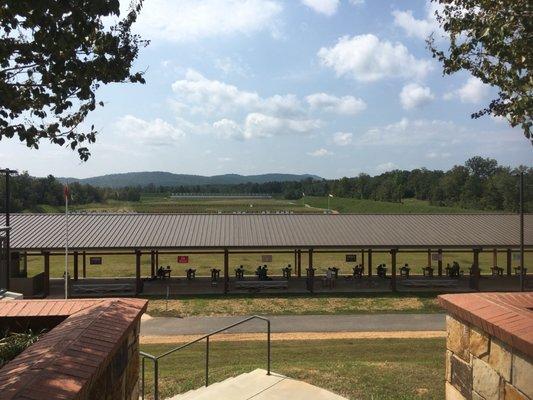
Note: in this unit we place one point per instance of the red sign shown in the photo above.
(183, 259)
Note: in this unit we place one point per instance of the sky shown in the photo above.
(327, 87)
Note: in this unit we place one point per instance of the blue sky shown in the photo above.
(328, 87)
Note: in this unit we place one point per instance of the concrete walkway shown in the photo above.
(164, 326)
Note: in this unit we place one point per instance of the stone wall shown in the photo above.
(481, 367)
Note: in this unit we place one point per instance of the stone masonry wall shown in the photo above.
(120, 380)
(481, 367)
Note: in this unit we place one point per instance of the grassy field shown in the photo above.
(357, 369)
(124, 265)
(292, 304)
(163, 204)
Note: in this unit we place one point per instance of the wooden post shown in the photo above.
(76, 266)
(138, 283)
(46, 288)
(370, 263)
(226, 271)
(429, 258)
(157, 259)
(84, 264)
(495, 257)
(152, 263)
(299, 263)
(26, 264)
(393, 269)
(363, 259)
(509, 262)
(295, 262)
(474, 278)
(439, 262)
(311, 275)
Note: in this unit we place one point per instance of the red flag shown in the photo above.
(66, 192)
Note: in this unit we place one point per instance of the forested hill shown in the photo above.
(158, 178)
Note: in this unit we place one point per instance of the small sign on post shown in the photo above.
(266, 258)
(351, 257)
(95, 260)
(183, 259)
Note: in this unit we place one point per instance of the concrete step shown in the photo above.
(257, 385)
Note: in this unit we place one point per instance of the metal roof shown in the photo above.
(216, 231)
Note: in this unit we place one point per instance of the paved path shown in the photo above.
(160, 326)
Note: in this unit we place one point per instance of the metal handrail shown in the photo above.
(155, 359)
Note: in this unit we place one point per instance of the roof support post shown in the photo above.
(226, 271)
(494, 257)
(363, 259)
(84, 264)
(474, 274)
(76, 265)
(46, 286)
(157, 259)
(439, 262)
(311, 273)
(152, 263)
(370, 263)
(509, 262)
(393, 269)
(299, 263)
(138, 282)
(429, 258)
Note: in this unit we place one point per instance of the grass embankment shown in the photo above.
(357, 369)
(124, 265)
(157, 203)
(407, 206)
(287, 305)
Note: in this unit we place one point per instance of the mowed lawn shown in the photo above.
(292, 304)
(124, 265)
(357, 369)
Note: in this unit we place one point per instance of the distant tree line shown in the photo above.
(31, 194)
(478, 184)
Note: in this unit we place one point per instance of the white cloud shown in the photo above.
(230, 66)
(257, 125)
(342, 138)
(473, 91)
(320, 153)
(366, 58)
(189, 20)
(408, 132)
(432, 155)
(357, 2)
(326, 7)
(228, 129)
(261, 125)
(212, 96)
(414, 95)
(385, 167)
(347, 105)
(153, 133)
(420, 28)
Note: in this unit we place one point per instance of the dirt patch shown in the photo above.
(235, 337)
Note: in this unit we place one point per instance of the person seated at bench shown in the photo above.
(215, 274)
(262, 273)
(191, 273)
(496, 271)
(382, 270)
(427, 271)
(404, 271)
(160, 273)
(287, 272)
(454, 271)
(335, 271)
(239, 273)
(358, 271)
(329, 279)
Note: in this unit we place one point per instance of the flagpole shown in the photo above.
(66, 241)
